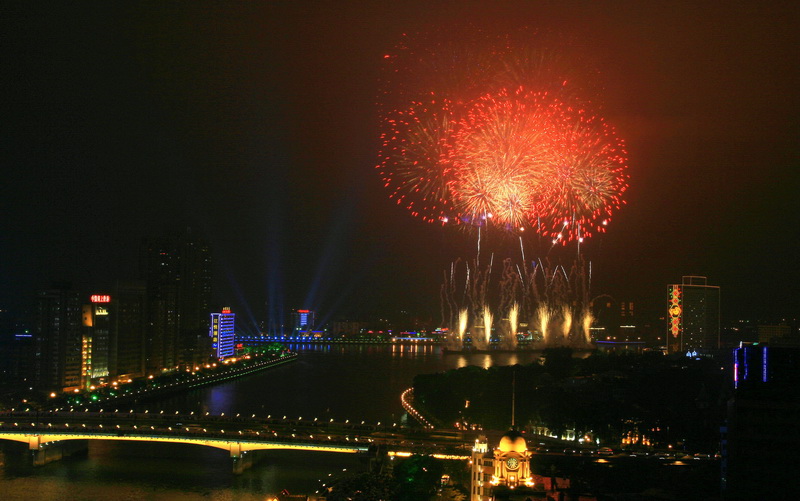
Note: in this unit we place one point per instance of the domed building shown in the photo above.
(503, 473)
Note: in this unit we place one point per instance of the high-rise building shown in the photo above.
(178, 275)
(223, 337)
(96, 339)
(129, 317)
(58, 338)
(17, 360)
(614, 321)
(693, 316)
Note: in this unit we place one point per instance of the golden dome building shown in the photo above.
(503, 473)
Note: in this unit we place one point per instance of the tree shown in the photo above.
(362, 487)
(450, 493)
(418, 477)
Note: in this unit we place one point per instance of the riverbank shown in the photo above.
(171, 383)
(257, 340)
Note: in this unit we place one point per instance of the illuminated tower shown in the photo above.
(693, 316)
(222, 333)
(96, 339)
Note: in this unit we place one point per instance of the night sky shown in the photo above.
(257, 126)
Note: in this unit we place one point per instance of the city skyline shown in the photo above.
(257, 126)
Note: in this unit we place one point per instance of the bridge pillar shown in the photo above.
(34, 442)
(41, 454)
(242, 460)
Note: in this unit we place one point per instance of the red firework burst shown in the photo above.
(459, 146)
(413, 163)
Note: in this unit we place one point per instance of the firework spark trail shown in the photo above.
(463, 319)
(566, 321)
(586, 324)
(513, 321)
(447, 304)
(550, 298)
(487, 325)
(543, 313)
(478, 254)
(509, 286)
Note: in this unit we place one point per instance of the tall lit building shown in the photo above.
(58, 338)
(303, 321)
(95, 339)
(222, 333)
(693, 316)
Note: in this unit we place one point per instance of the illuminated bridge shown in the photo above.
(55, 434)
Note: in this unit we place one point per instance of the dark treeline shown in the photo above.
(667, 399)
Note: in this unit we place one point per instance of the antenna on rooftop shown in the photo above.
(513, 396)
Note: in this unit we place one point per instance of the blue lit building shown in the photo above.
(303, 321)
(761, 437)
(222, 333)
(763, 367)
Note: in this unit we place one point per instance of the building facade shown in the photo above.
(96, 324)
(59, 338)
(693, 316)
(302, 321)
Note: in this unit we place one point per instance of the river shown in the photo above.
(361, 382)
